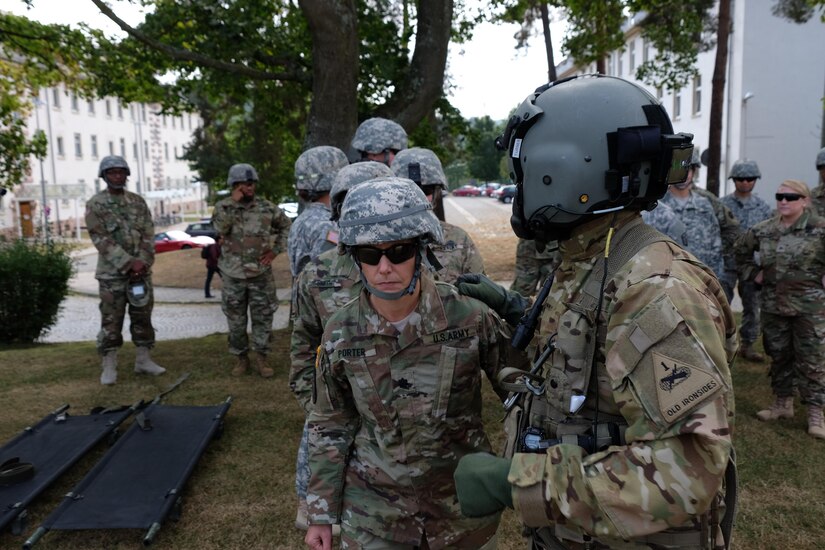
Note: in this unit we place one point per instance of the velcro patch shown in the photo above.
(332, 236)
(680, 387)
(452, 334)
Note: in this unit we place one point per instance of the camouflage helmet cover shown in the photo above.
(745, 168)
(820, 159)
(241, 172)
(376, 135)
(112, 161)
(385, 210)
(351, 175)
(315, 168)
(430, 171)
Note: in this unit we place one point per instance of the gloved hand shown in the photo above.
(481, 484)
(508, 304)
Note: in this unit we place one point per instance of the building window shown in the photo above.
(91, 106)
(78, 146)
(94, 147)
(173, 122)
(120, 110)
(145, 148)
(75, 107)
(164, 121)
(631, 56)
(134, 149)
(166, 151)
(56, 97)
(111, 147)
(660, 94)
(143, 112)
(697, 95)
(190, 121)
(619, 63)
(61, 152)
(108, 108)
(123, 147)
(645, 50)
(176, 152)
(677, 103)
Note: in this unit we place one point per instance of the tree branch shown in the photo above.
(184, 55)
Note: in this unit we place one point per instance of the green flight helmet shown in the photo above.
(239, 173)
(316, 167)
(351, 175)
(420, 165)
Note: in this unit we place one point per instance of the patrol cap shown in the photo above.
(420, 165)
(241, 172)
(744, 168)
(820, 159)
(315, 168)
(386, 210)
(112, 161)
(376, 135)
(351, 175)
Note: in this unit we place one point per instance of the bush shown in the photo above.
(34, 280)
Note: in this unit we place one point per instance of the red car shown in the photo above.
(467, 191)
(179, 240)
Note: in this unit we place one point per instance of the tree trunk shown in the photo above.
(548, 43)
(333, 114)
(717, 97)
(414, 97)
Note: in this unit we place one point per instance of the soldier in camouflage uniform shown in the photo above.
(791, 272)
(703, 235)
(379, 139)
(729, 228)
(818, 193)
(458, 253)
(749, 210)
(120, 226)
(664, 219)
(397, 390)
(535, 261)
(628, 434)
(254, 231)
(312, 232)
(323, 287)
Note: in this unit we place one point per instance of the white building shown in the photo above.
(773, 109)
(80, 133)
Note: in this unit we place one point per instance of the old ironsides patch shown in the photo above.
(681, 387)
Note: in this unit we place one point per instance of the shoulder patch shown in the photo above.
(681, 387)
(332, 236)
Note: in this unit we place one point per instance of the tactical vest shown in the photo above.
(555, 405)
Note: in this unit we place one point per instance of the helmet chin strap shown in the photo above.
(401, 293)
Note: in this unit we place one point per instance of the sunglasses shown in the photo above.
(790, 197)
(744, 179)
(396, 254)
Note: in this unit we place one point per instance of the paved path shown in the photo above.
(178, 312)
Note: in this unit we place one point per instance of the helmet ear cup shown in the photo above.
(517, 221)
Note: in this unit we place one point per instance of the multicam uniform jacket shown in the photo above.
(249, 230)
(395, 411)
(792, 260)
(665, 339)
(121, 229)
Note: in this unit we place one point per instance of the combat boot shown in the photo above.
(109, 374)
(241, 366)
(782, 408)
(144, 363)
(751, 354)
(816, 423)
(262, 366)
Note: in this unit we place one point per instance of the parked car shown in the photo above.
(488, 188)
(203, 228)
(290, 209)
(179, 240)
(467, 191)
(497, 193)
(507, 194)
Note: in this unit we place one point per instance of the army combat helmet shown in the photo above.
(239, 173)
(349, 176)
(109, 162)
(137, 292)
(315, 169)
(386, 210)
(586, 146)
(820, 159)
(745, 169)
(420, 165)
(379, 135)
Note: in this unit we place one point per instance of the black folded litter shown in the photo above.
(41, 453)
(139, 481)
